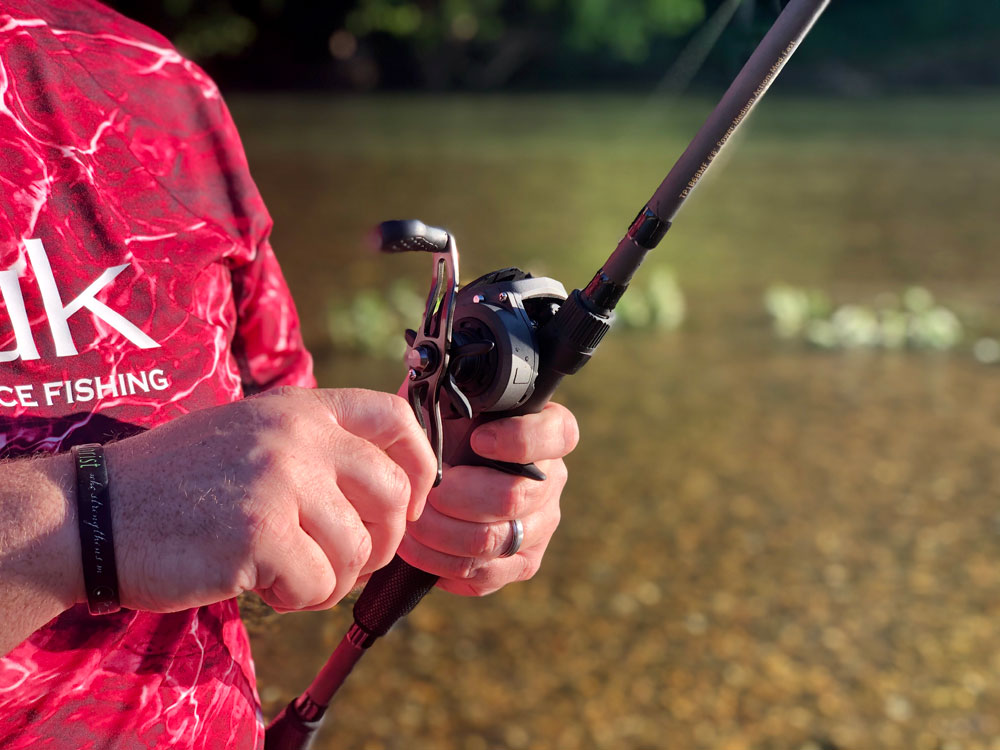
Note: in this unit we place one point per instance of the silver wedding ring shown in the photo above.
(516, 537)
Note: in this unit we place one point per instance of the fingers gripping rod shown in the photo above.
(566, 343)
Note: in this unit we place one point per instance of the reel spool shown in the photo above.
(476, 354)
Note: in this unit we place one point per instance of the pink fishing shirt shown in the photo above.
(136, 285)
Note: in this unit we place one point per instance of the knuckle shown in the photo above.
(283, 474)
(268, 523)
(465, 567)
(275, 416)
(269, 598)
(486, 540)
(386, 539)
(555, 519)
(389, 486)
(341, 403)
(559, 474)
(514, 500)
(523, 443)
(461, 588)
(379, 558)
(319, 592)
(286, 391)
(293, 425)
(250, 414)
(398, 484)
(570, 430)
(398, 413)
(273, 478)
(363, 552)
(485, 583)
(399, 407)
(234, 574)
(263, 533)
(260, 460)
(529, 567)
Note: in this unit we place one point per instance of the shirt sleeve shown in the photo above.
(268, 343)
(191, 150)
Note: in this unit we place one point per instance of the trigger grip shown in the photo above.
(528, 471)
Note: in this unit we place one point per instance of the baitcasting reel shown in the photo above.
(501, 346)
(477, 352)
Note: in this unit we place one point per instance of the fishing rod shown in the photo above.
(501, 345)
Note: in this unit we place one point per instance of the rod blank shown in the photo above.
(750, 85)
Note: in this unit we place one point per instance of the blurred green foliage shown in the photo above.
(913, 320)
(858, 48)
(372, 322)
(623, 28)
(655, 302)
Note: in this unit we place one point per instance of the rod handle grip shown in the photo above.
(463, 455)
(390, 594)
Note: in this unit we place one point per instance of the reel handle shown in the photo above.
(409, 235)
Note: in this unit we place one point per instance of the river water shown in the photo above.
(764, 545)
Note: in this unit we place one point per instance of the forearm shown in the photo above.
(40, 570)
(292, 494)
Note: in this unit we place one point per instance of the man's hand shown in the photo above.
(293, 494)
(466, 524)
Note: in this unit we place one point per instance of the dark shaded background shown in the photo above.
(861, 48)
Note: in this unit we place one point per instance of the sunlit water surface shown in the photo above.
(763, 545)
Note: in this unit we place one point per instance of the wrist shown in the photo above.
(51, 484)
(40, 572)
(62, 478)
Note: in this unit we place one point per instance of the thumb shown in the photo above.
(388, 422)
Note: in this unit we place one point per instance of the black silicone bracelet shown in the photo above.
(97, 545)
